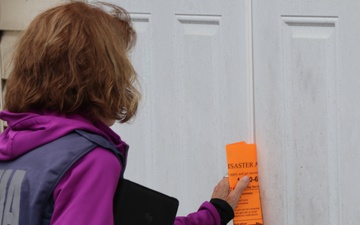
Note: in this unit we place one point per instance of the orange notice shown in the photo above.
(241, 159)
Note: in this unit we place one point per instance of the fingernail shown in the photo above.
(245, 178)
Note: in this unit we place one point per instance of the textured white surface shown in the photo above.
(306, 113)
(191, 60)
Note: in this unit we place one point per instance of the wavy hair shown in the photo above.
(74, 58)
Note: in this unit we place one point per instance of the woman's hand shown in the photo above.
(222, 190)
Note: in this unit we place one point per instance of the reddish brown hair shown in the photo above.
(73, 58)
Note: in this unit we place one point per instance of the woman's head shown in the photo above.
(73, 58)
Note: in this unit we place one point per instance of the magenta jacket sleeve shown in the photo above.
(85, 193)
(206, 215)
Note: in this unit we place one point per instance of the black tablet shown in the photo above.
(135, 204)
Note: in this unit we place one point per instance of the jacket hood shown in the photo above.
(27, 131)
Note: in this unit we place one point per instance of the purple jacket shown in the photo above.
(84, 195)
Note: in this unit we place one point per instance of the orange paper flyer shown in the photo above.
(241, 159)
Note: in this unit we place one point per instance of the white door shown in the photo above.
(307, 111)
(191, 58)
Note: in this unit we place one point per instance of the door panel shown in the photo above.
(191, 60)
(305, 74)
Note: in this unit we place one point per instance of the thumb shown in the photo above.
(234, 196)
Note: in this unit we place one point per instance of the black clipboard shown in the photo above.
(135, 204)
